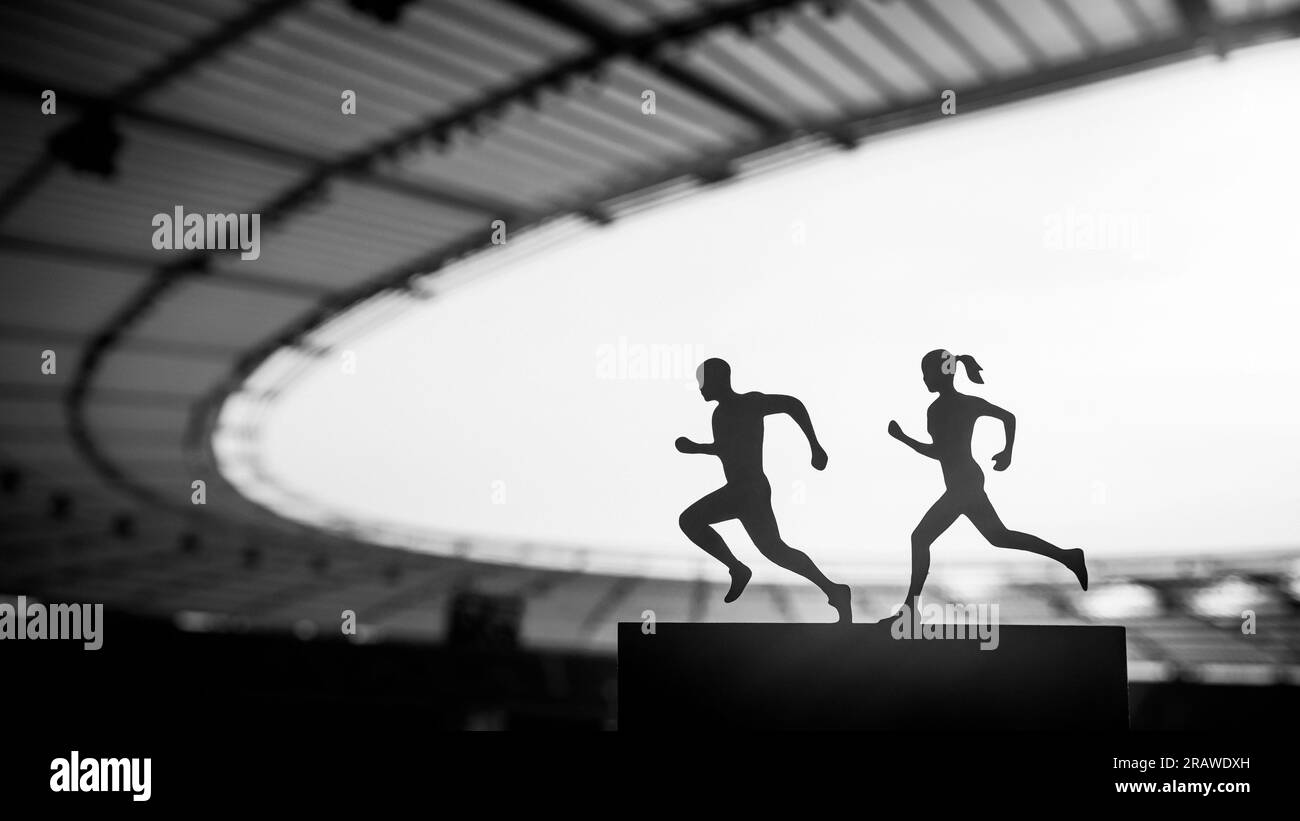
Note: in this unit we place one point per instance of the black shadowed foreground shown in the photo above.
(859, 677)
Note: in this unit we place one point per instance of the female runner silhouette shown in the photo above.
(951, 422)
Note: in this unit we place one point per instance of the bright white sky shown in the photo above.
(1155, 375)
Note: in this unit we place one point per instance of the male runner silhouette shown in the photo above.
(951, 423)
(747, 496)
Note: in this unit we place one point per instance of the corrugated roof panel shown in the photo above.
(1237, 9)
(483, 168)
(163, 446)
(107, 417)
(1051, 32)
(21, 363)
(130, 370)
(541, 172)
(855, 65)
(738, 65)
(44, 454)
(504, 20)
(681, 115)
(19, 411)
(303, 61)
(670, 9)
(879, 37)
(642, 135)
(190, 20)
(229, 100)
(438, 63)
(465, 50)
(154, 176)
(559, 147)
(89, 491)
(63, 296)
(1113, 26)
(354, 234)
(990, 39)
(589, 145)
(302, 254)
(212, 312)
(169, 478)
(626, 18)
(74, 51)
(405, 214)
(808, 71)
(23, 138)
(297, 60)
(1162, 15)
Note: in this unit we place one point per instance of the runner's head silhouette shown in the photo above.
(938, 368)
(714, 377)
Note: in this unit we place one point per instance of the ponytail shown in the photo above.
(972, 368)
(945, 362)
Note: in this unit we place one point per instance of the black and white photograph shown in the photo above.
(658, 385)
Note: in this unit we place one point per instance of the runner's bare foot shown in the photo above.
(740, 575)
(841, 598)
(1075, 563)
(890, 619)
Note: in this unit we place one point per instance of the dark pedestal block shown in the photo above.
(859, 677)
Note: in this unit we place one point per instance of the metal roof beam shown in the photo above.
(360, 172)
(151, 345)
(202, 49)
(142, 266)
(226, 35)
(645, 47)
(1199, 21)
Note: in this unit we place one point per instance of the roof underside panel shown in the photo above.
(100, 48)
(59, 294)
(215, 312)
(155, 176)
(350, 234)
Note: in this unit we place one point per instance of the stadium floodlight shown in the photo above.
(1120, 600)
(1229, 598)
